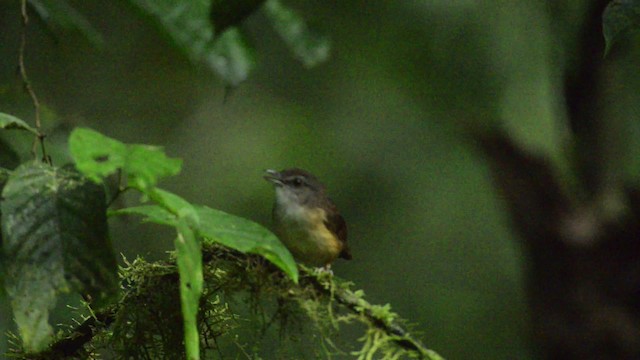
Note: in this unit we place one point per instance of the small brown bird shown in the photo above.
(306, 220)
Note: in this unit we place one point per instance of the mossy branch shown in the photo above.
(379, 317)
(144, 323)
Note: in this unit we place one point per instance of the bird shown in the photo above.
(306, 220)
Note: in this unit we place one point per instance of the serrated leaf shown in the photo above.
(60, 16)
(245, 236)
(11, 122)
(98, 156)
(307, 45)
(54, 233)
(189, 260)
(619, 18)
(232, 58)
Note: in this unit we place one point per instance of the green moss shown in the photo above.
(248, 307)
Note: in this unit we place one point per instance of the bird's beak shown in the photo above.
(273, 177)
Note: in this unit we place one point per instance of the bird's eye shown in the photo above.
(298, 181)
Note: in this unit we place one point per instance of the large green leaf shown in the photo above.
(245, 236)
(59, 16)
(229, 230)
(98, 156)
(189, 260)
(54, 233)
(619, 18)
(11, 122)
(307, 45)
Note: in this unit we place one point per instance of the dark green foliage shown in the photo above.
(146, 327)
(619, 19)
(8, 157)
(188, 26)
(59, 16)
(185, 23)
(225, 14)
(232, 58)
(206, 32)
(55, 240)
(308, 46)
(4, 176)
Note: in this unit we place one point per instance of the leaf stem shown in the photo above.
(27, 84)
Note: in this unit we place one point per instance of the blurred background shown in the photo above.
(384, 123)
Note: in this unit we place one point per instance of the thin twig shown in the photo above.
(27, 84)
(119, 190)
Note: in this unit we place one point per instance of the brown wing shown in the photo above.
(336, 224)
